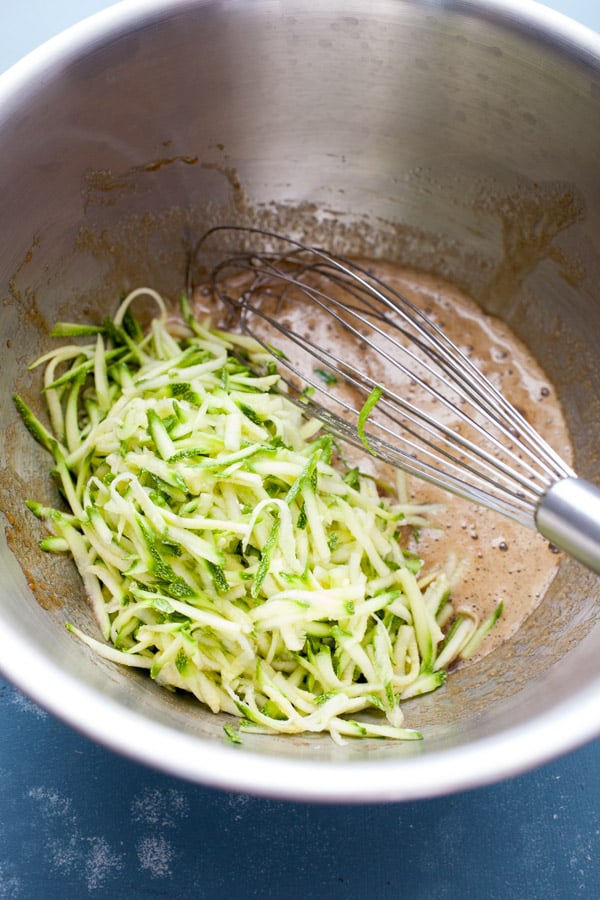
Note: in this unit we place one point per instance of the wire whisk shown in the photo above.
(383, 376)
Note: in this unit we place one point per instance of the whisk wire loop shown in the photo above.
(483, 468)
(437, 415)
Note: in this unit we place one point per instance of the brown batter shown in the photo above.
(499, 559)
(496, 559)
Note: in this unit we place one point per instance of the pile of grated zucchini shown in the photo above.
(224, 544)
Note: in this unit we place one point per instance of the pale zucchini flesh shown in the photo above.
(223, 542)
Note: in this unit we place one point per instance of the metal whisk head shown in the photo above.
(383, 376)
(380, 374)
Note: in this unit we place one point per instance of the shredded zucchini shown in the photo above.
(221, 540)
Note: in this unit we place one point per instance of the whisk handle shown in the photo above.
(568, 515)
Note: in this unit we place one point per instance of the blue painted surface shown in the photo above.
(77, 821)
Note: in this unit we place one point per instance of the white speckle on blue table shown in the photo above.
(154, 807)
(25, 705)
(155, 855)
(10, 883)
(69, 849)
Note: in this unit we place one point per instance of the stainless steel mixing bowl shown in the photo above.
(459, 137)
